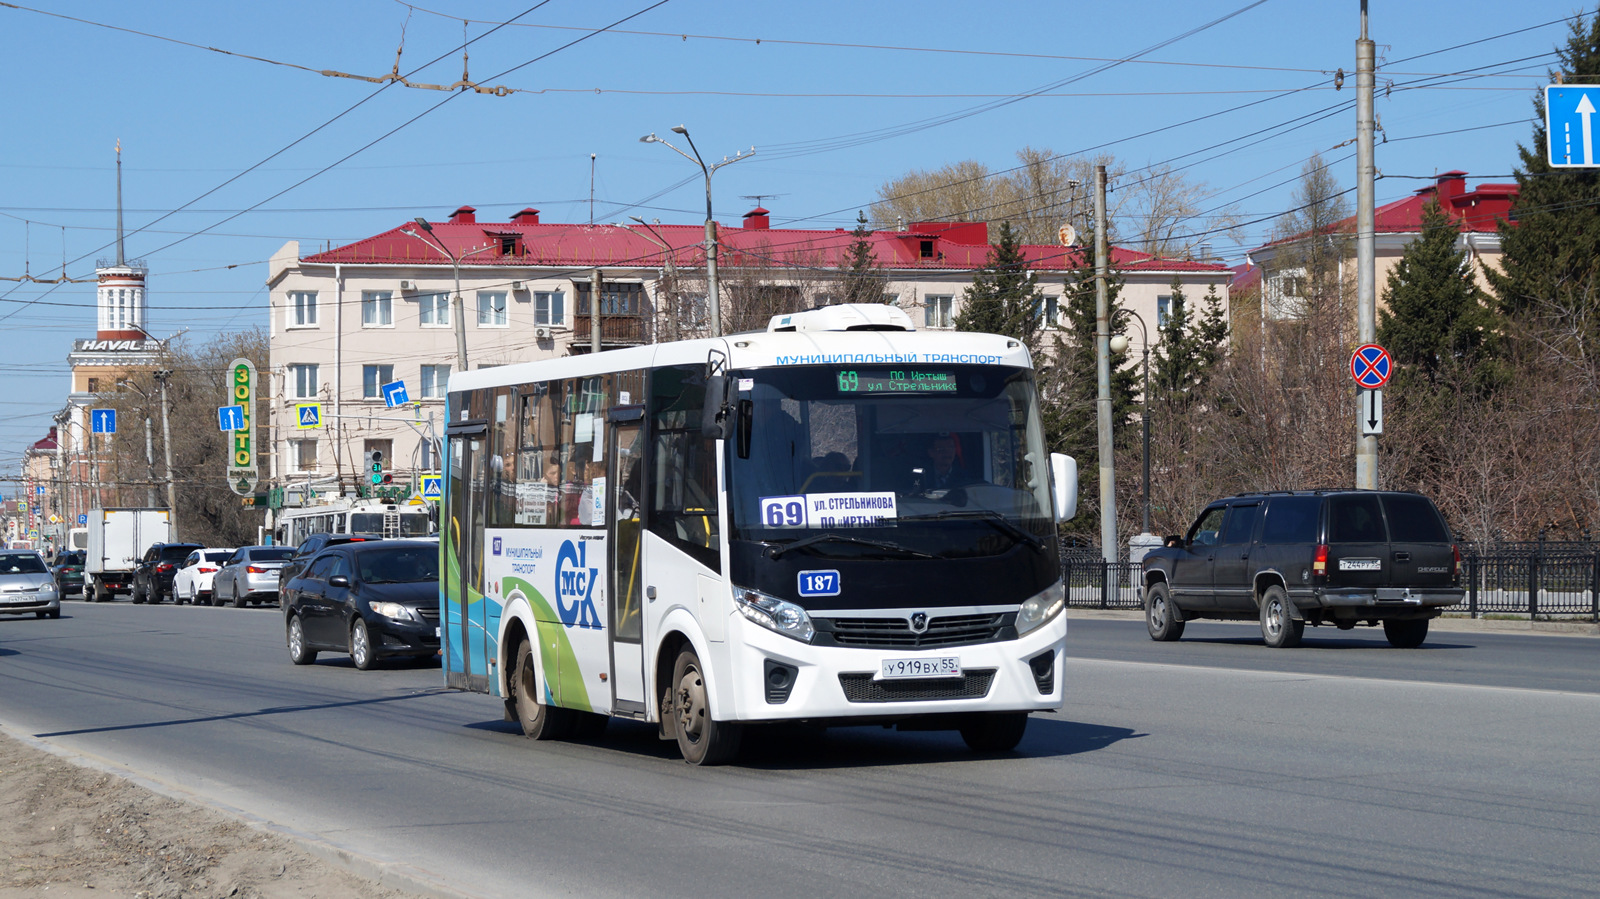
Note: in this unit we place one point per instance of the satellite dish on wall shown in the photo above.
(1068, 236)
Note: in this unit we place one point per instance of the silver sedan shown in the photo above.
(26, 585)
(249, 576)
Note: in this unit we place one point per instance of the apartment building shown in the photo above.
(349, 320)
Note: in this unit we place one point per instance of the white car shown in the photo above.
(192, 582)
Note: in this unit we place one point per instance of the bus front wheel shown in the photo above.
(702, 739)
(539, 721)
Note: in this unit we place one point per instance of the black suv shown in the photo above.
(1339, 557)
(152, 579)
(311, 546)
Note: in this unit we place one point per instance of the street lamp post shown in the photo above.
(1119, 344)
(458, 308)
(712, 295)
(149, 454)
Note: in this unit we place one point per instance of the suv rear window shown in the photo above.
(1413, 519)
(1355, 519)
(1292, 519)
(177, 552)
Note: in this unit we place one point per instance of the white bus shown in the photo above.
(362, 516)
(839, 520)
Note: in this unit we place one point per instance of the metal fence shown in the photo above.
(1539, 580)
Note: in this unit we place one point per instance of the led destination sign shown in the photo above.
(900, 380)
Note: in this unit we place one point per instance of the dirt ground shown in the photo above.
(74, 832)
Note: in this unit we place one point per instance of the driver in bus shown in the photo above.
(945, 470)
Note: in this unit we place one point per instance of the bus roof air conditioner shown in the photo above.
(845, 317)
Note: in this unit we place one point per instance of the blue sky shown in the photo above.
(819, 89)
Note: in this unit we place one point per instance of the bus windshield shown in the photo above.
(891, 461)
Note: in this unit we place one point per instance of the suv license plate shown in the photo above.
(897, 669)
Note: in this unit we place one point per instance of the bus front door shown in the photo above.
(623, 526)
(464, 639)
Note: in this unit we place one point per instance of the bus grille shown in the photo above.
(896, 633)
(860, 687)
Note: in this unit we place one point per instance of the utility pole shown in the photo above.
(594, 311)
(166, 440)
(149, 467)
(1102, 354)
(1366, 269)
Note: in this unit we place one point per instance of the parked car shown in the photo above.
(311, 546)
(192, 582)
(250, 575)
(1339, 557)
(152, 578)
(68, 572)
(372, 599)
(26, 585)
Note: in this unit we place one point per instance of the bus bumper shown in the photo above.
(774, 678)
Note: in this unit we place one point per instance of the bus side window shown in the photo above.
(683, 484)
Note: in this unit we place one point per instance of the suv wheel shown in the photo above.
(1407, 634)
(1279, 627)
(1163, 619)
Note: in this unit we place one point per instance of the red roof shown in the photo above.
(934, 246)
(1479, 211)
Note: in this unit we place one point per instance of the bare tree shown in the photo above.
(1310, 264)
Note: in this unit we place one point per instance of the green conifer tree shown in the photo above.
(1436, 323)
(1004, 297)
(862, 280)
(1551, 251)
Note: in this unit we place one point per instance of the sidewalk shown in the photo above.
(1449, 623)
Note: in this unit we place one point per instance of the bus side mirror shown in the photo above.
(714, 414)
(1064, 486)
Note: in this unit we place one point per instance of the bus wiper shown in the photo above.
(999, 521)
(778, 551)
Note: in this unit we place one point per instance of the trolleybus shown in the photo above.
(840, 520)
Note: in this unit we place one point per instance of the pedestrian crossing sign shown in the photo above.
(432, 486)
(308, 415)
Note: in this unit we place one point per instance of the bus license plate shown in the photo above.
(896, 669)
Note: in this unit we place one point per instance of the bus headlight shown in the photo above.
(1041, 609)
(774, 614)
(394, 611)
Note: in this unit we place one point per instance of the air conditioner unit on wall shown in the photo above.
(408, 285)
(516, 285)
(541, 333)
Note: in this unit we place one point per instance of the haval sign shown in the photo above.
(242, 474)
(115, 346)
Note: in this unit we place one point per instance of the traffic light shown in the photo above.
(375, 465)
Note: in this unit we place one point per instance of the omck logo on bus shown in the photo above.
(575, 586)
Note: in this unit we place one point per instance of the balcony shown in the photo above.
(616, 331)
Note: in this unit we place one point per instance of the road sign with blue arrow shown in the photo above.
(1569, 111)
(230, 418)
(394, 394)
(103, 421)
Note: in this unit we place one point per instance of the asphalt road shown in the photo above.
(1210, 767)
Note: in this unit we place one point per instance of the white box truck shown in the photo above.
(117, 538)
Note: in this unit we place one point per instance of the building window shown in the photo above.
(1050, 312)
(434, 380)
(823, 300)
(302, 308)
(940, 311)
(509, 245)
(925, 249)
(94, 385)
(435, 310)
(491, 309)
(377, 309)
(616, 298)
(1163, 309)
(304, 376)
(373, 377)
(548, 307)
(304, 453)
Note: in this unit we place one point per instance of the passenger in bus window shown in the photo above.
(572, 493)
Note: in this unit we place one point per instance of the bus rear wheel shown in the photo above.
(702, 739)
(994, 731)
(539, 721)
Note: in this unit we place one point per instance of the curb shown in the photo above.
(1448, 623)
(394, 875)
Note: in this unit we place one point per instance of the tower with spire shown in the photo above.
(121, 294)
